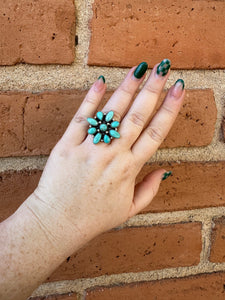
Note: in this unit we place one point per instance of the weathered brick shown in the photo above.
(46, 116)
(192, 185)
(12, 123)
(200, 287)
(15, 187)
(37, 32)
(218, 241)
(70, 296)
(134, 249)
(190, 33)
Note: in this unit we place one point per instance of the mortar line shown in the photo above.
(81, 285)
(206, 240)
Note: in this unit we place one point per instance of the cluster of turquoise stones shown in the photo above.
(103, 127)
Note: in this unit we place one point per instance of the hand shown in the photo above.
(91, 188)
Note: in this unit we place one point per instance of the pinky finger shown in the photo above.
(151, 138)
(145, 191)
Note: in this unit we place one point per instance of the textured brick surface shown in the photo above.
(15, 187)
(37, 32)
(70, 296)
(46, 116)
(218, 241)
(192, 185)
(190, 33)
(11, 123)
(134, 249)
(201, 287)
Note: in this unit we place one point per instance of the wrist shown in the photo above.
(63, 238)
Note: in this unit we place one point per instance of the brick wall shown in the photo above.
(50, 54)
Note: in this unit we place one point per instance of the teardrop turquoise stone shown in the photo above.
(107, 139)
(114, 134)
(109, 116)
(97, 138)
(99, 115)
(92, 121)
(103, 127)
(92, 130)
(115, 124)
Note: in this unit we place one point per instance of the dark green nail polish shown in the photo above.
(181, 81)
(166, 175)
(140, 70)
(102, 77)
(163, 67)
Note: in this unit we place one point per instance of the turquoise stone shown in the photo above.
(97, 138)
(99, 115)
(103, 127)
(115, 124)
(114, 134)
(92, 121)
(92, 130)
(106, 139)
(109, 116)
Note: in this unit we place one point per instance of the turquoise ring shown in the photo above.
(103, 127)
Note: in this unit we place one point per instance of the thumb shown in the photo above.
(146, 190)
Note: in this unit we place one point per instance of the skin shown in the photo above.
(87, 189)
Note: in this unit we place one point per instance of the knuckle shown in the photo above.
(79, 118)
(155, 134)
(137, 119)
(151, 90)
(168, 110)
(90, 99)
(124, 89)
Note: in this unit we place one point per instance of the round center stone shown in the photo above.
(103, 127)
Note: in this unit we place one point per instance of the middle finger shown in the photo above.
(140, 112)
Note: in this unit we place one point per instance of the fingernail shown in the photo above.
(101, 77)
(178, 88)
(99, 84)
(166, 175)
(163, 67)
(140, 70)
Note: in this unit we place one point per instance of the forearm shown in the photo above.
(29, 252)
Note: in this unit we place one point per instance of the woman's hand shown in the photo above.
(87, 188)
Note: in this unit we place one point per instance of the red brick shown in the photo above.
(12, 126)
(46, 116)
(200, 287)
(195, 124)
(15, 187)
(218, 241)
(190, 33)
(192, 185)
(135, 249)
(37, 32)
(70, 296)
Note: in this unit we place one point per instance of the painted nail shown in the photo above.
(163, 67)
(101, 77)
(99, 83)
(140, 70)
(166, 175)
(178, 88)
